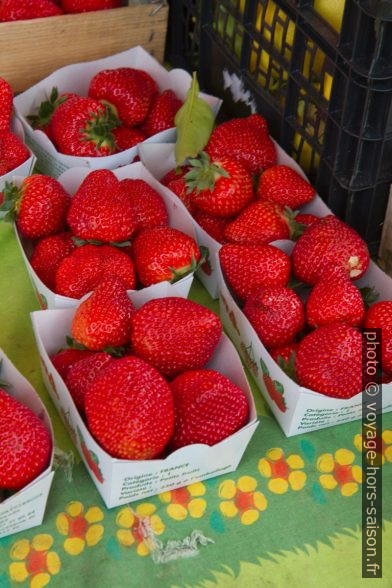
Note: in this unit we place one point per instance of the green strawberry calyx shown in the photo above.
(296, 228)
(46, 110)
(179, 273)
(203, 174)
(98, 128)
(114, 351)
(12, 197)
(80, 242)
(369, 295)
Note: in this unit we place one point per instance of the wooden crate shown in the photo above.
(32, 49)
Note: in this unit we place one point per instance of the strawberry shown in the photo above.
(129, 409)
(379, 316)
(43, 119)
(274, 388)
(220, 187)
(175, 334)
(64, 359)
(175, 181)
(213, 225)
(329, 243)
(276, 314)
(12, 152)
(40, 206)
(162, 112)
(27, 9)
(208, 407)
(126, 138)
(82, 373)
(6, 102)
(174, 174)
(261, 222)
(334, 298)
(73, 6)
(129, 90)
(104, 318)
(306, 219)
(284, 352)
(249, 266)
(83, 127)
(100, 210)
(284, 185)
(86, 266)
(245, 140)
(25, 444)
(329, 361)
(48, 254)
(147, 204)
(164, 253)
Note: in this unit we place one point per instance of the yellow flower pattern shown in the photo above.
(282, 472)
(241, 498)
(80, 528)
(184, 501)
(338, 471)
(34, 561)
(135, 526)
(383, 447)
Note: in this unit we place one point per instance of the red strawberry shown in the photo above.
(66, 358)
(329, 361)
(6, 102)
(27, 9)
(274, 388)
(100, 210)
(73, 6)
(83, 127)
(249, 266)
(284, 185)
(221, 187)
(12, 152)
(162, 112)
(245, 140)
(175, 181)
(276, 314)
(329, 243)
(43, 119)
(129, 408)
(175, 334)
(261, 222)
(86, 266)
(208, 407)
(126, 138)
(40, 206)
(213, 225)
(147, 204)
(284, 352)
(306, 219)
(379, 316)
(48, 254)
(163, 254)
(129, 90)
(334, 298)
(82, 373)
(25, 444)
(104, 318)
(174, 174)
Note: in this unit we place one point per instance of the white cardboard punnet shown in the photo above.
(76, 78)
(123, 481)
(71, 181)
(25, 508)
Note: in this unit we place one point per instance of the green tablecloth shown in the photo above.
(278, 520)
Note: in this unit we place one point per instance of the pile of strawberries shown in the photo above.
(28, 9)
(12, 150)
(124, 106)
(109, 227)
(157, 397)
(25, 444)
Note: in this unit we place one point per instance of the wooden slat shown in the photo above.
(385, 252)
(31, 50)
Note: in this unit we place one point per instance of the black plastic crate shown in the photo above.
(327, 95)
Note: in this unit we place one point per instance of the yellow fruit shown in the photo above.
(331, 11)
(305, 155)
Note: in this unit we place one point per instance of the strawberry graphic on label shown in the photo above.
(91, 459)
(233, 321)
(224, 302)
(249, 359)
(274, 388)
(41, 300)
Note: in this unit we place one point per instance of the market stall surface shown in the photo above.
(290, 514)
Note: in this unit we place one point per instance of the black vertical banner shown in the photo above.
(371, 454)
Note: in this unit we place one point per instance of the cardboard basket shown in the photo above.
(121, 481)
(71, 180)
(25, 508)
(76, 78)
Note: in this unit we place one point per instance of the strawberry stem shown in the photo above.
(203, 174)
(46, 110)
(12, 196)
